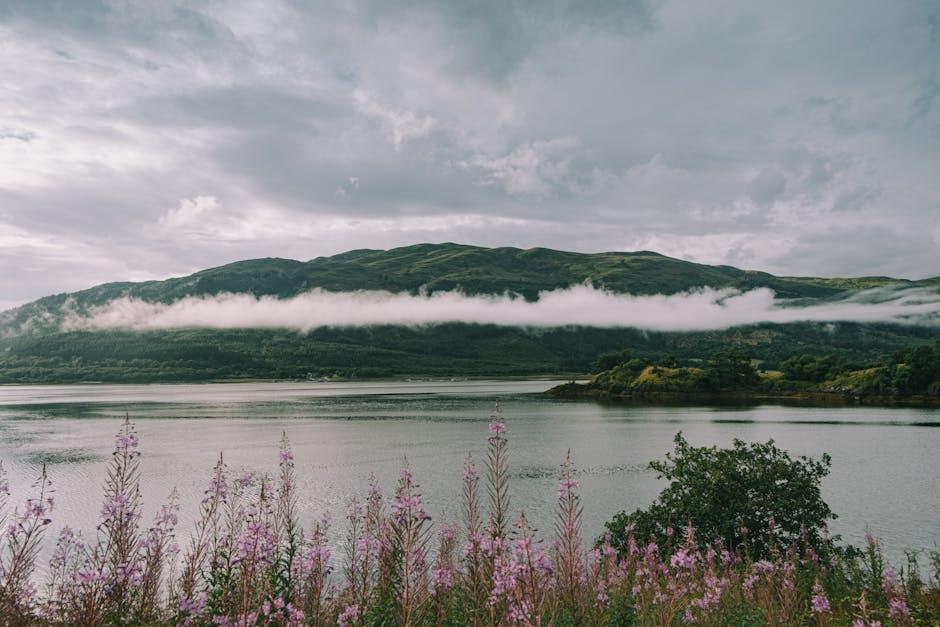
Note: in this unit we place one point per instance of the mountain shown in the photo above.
(34, 348)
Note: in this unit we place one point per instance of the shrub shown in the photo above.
(733, 495)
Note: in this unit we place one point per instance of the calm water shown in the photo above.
(885, 475)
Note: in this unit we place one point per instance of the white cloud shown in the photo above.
(399, 125)
(534, 168)
(581, 305)
(190, 212)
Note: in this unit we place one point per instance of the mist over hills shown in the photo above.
(39, 344)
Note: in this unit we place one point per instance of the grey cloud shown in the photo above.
(782, 137)
(493, 37)
(22, 135)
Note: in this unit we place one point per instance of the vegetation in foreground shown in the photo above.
(249, 562)
(908, 376)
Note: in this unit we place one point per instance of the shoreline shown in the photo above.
(803, 398)
(393, 379)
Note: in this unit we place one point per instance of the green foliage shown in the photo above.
(607, 361)
(810, 367)
(730, 370)
(733, 494)
(909, 372)
(386, 351)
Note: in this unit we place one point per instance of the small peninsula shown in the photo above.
(910, 378)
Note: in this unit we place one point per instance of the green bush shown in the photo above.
(736, 495)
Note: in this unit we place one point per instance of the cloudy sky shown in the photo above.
(144, 139)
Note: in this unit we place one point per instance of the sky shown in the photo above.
(147, 139)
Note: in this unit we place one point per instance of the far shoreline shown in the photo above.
(803, 398)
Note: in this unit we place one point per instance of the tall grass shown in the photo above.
(249, 561)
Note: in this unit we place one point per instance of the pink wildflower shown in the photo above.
(349, 616)
(567, 485)
(897, 608)
(819, 601)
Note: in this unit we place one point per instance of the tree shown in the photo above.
(729, 370)
(925, 369)
(607, 361)
(809, 368)
(733, 494)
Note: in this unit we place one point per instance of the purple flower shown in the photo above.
(567, 485)
(497, 427)
(897, 608)
(256, 542)
(469, 471)
(443, 578)
(349, 616)
(819, 601)
(683, 559)
(125, 441)
(193, 606)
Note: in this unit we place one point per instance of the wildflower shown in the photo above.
(295, 615)
(763, 567)
(726, 557)
(889, 580)
(217, 487)
(256, 542)
(470, 470)
(125, 441)
(193, 606)
(498, 428)
(897, 608)
(819, 601)
(566, 485)
(442, 577)
(349, 616)
(683, 558)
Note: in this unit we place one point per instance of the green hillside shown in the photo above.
(33, 349)
(441, 267)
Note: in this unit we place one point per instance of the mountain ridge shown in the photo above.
(450, 266)
(34, 348)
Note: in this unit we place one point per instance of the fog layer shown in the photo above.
(582, 305)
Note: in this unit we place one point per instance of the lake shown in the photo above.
(885, 474)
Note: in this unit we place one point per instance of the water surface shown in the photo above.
(885, 475)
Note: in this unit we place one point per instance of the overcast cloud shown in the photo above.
(144, 139)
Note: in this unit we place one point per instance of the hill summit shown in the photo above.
(34, 346)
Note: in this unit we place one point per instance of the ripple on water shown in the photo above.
(61, 456)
